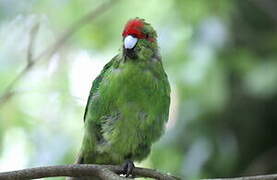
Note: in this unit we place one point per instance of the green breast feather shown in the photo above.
(126, 111)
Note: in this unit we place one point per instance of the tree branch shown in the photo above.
(82, 170)
(260, 177)
(9, 92)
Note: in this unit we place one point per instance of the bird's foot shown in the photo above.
(128, 167)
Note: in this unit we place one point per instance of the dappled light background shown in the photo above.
(220, 57)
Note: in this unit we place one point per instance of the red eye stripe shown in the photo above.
(134, 27)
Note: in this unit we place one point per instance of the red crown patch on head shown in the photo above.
(134, 27)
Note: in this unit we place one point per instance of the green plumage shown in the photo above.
(127, 107)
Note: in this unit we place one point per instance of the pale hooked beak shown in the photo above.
(130, 42)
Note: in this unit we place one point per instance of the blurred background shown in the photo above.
(220, 56)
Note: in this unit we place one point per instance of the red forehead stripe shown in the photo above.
(134, 27)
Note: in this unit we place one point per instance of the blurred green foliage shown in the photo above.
(220, 56)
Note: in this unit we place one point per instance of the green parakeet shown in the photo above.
(128, 104)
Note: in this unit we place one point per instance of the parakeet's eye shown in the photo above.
(130, 42)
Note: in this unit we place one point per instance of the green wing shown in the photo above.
(98, 80)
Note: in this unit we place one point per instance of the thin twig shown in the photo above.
(74, 28)
(33, 34)
(82, 170)
(8, 93)
(268, 6)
